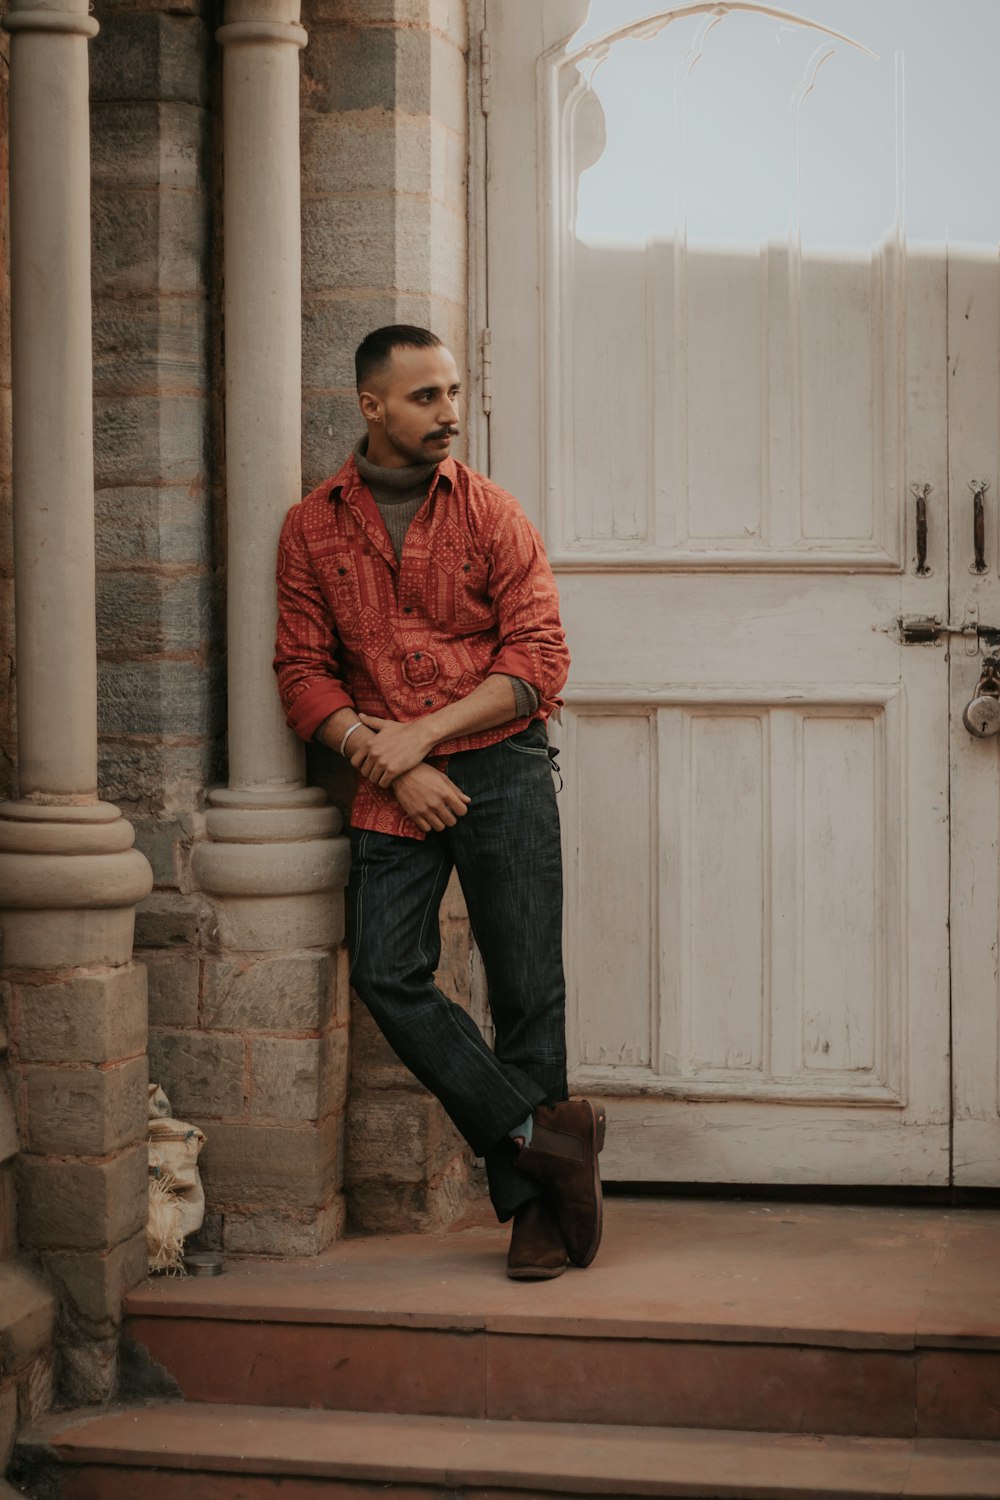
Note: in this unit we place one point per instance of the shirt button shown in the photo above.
(428, 702)
(407, 610)
(417, 655)
(341, 571)
(467, 568)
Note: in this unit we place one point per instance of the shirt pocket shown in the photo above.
(339, 572)
(472, 604)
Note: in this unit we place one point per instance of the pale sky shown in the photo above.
(744, 102)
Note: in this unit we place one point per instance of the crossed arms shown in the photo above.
(318, 696)
(394, 755)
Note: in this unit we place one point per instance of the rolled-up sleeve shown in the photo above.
(309, 680)
(526, 601)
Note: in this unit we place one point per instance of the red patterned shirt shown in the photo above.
(472, 594)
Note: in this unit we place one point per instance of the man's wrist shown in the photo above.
(430, 733)
(358, 745)
(351, 729)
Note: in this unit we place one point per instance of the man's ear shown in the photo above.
(371, 406)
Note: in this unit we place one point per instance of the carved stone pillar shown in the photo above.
(69, 876)
(270, 864)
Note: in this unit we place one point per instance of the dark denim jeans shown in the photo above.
(507, 854)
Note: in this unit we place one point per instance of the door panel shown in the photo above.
(677, 344)
(717, 439)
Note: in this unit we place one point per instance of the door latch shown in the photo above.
(926, 630)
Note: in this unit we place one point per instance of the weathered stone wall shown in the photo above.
(384, 152)
(252, 1045)
(78, 1074)
(254, 1048)
(248, 1028)
(27, 1307)
(157, 469)
(384, 148)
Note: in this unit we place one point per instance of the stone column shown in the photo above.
(69, 876)
(270, 864)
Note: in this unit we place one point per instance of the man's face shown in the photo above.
(412, 408)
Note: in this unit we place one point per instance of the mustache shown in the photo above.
(442, 432)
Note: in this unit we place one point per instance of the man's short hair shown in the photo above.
(375, 351)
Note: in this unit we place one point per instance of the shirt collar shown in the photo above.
(347, 481)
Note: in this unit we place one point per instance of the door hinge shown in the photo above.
(486, 369)
(485, 73)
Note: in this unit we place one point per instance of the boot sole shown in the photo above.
(539, 1274)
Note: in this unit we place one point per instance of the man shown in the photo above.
(419, 637)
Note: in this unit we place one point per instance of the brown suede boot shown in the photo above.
(565, 1141)
(537, 1249)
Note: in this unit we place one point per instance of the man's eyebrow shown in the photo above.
(432, 390)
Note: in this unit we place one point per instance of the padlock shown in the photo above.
(982, 715)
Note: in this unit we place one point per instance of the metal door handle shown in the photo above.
(920, 493)
(979, 488)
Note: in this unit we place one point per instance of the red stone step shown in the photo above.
(850, 1321)
(176, 1451)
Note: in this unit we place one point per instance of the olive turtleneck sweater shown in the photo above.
(399, 494)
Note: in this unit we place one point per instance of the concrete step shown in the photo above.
(787, 1318)
(191, 1452)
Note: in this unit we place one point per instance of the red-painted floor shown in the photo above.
(845, 1276)
(713, 1349)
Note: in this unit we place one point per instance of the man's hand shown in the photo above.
(393, 749)
(430, 798)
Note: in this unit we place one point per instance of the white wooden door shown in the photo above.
(974, 443)
(719, 404)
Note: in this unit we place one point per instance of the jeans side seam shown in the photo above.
(427, 909)
(359, 909)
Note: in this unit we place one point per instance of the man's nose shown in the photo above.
(449, 412)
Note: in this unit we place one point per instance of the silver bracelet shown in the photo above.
(347, 736)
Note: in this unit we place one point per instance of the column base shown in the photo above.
(274, 869)
(70, 879)
(272, 1017)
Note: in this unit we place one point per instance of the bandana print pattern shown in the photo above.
(472, 594)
